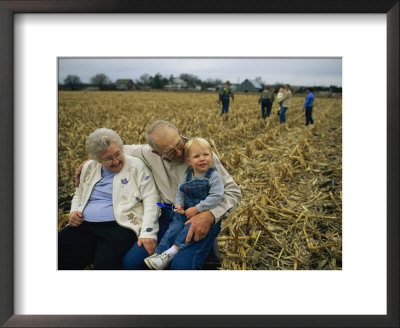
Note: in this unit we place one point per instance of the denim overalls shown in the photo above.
(224, 98)
(195, 191)
(225, 104)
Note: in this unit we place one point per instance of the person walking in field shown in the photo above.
(164, 155)
(285, 102)
(266, 100)
(200, 189)
(308, 106)
(224, 93)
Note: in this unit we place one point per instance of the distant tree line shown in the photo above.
(147, 81)
(73, 82)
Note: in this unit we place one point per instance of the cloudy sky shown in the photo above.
(295, 71)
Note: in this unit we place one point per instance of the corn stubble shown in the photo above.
(290, 217)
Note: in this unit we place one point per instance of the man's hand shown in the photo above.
(149, 244)
(191, 211)
(200, 224)
(77, 174)
(75, 219)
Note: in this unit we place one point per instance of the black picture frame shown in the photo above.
(9, 8)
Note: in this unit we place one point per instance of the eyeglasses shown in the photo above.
(109, 160)
(172, 153)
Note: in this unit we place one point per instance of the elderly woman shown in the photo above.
(113, 208)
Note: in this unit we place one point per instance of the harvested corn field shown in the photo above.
(290, 217)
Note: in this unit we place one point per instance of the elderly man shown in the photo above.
(164, 155)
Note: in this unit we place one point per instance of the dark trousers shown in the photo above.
(225, 105)
(282, 114)
(309, 115)
(134, 258)
(102, 244)
(265, 108)
(207, 256)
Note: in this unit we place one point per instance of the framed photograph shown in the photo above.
(364, 293)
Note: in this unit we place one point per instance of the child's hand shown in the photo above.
(191, 211)
(179, 209)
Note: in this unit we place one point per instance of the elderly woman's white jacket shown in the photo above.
(134, 195)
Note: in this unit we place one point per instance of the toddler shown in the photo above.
(200, 189)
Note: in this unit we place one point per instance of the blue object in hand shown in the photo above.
(166, 206)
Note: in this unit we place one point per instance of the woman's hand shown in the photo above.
(149, 244)
(75, 219)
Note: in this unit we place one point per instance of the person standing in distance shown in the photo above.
(308, 106)
(224, 93)
(285, 103)
(265, 100)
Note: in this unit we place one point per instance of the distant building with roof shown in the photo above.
(249, 86)
(176, 84)
(124, 84)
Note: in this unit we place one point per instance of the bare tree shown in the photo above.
(101, 80)
(144, 79)
(73, 82)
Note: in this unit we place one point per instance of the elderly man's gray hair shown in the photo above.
(99, 140)
(155, 128)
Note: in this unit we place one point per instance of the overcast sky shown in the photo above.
(295, 71)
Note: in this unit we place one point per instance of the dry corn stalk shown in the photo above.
(290, 176)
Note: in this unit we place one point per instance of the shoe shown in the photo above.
(158, 261)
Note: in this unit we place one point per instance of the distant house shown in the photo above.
(249, 86)
(176, 84)
(124, 84)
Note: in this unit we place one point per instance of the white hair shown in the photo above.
(99, 140)
(155, 128)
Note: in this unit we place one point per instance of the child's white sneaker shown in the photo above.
(159, 261)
